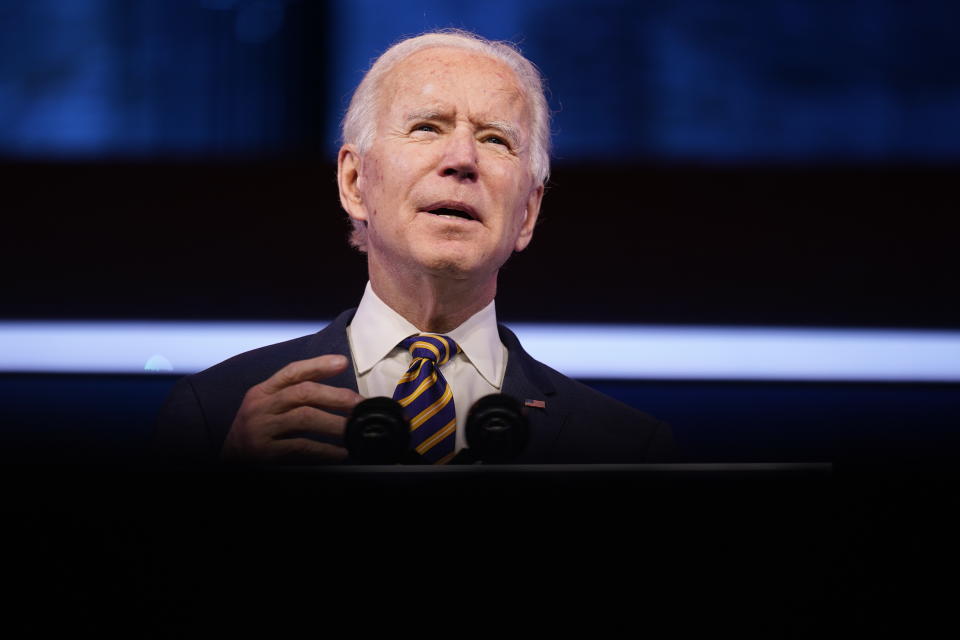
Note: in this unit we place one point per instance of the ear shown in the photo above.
(348, 179)
(529, 218)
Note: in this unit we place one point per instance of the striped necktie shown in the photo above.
(426, 397)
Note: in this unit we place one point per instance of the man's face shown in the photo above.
(446, 186)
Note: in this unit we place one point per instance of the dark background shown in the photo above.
(811, 245)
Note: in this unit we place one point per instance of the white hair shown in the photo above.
(360, 121)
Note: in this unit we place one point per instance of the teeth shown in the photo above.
(447, 212)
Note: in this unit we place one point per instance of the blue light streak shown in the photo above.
(580, 351)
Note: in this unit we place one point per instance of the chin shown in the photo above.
(448, 266)
(449, 261)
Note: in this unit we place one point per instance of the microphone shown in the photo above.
(377, 432)
(497, 430)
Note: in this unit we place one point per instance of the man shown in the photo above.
(442, 172)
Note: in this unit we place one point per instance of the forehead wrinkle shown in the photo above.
(401, 79)
(441, 111)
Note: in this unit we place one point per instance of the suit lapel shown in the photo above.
(333, 339)
(526, 380)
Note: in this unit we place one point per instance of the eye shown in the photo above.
(496, 140)
(425, 127)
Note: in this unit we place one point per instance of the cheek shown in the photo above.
(369, 175)
(518, 208)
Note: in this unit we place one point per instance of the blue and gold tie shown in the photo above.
(426, 397)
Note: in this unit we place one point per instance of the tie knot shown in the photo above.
(431, 346)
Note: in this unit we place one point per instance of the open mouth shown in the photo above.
(452, 211)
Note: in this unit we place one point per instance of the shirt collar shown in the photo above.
(376, 330)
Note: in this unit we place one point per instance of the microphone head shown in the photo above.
(497, 429)
(377, 432)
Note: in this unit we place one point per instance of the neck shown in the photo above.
(432, 303)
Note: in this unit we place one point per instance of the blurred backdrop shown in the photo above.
(741, 163)
(748, 162)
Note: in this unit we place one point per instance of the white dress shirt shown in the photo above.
(378, 362)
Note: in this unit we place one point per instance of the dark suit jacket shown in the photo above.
(577, 425)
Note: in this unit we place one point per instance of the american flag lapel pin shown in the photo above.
(537, 404)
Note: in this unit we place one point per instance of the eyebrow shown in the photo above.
(511, 131)
(425, 114)
(503, 126)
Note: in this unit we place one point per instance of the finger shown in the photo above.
(313, 394)
(304, 450)
(304, 420)
(302, 370)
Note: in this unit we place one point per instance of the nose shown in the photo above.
(460, 156)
